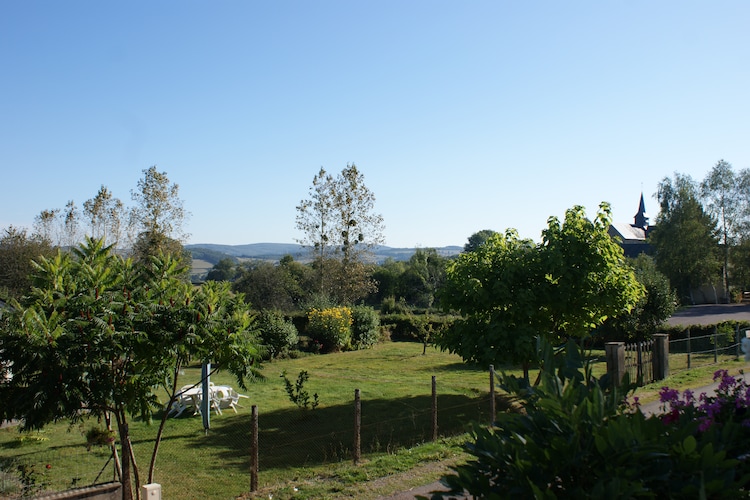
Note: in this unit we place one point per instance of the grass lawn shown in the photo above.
(304, 453)
(296, 446)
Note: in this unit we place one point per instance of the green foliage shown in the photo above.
(278, 333)
(651, 311)
(365, 327)
(685, 237)
(576, 438)
(339, 226)
(509, 290)
(297, 393)
(17, 251)
(423, 276)
(97, 335)
(391, 306)
(331, 327)
(477, 239)
(224, 270)
(406, 326)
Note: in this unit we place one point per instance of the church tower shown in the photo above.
(641, 219)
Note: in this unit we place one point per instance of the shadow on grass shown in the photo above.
(293, 438)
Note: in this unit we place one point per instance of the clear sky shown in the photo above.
(462, 116)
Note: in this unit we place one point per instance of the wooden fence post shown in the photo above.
(434, 410)
(492, 395)
(689, 349)
(661, 356)
(357, 452)
(254, 450)
(615, 354)
(716, 344)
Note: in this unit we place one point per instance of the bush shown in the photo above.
(576, 437)
(365, 327)
(331, 327)
(406, 327)
(390, 306)
(278, 333)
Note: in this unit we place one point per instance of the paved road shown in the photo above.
(709, 314)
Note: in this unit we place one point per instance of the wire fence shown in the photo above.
(692, 351)
(289, 441)
(34, 472)
(686, 351)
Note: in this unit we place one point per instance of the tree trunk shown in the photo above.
(125, 477)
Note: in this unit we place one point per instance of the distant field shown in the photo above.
(201, 267)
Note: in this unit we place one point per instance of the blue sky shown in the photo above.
(462, 116)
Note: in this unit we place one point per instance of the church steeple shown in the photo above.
(641, 219)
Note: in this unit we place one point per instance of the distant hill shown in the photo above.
(213, 253)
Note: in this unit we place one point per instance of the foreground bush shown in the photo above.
(578, 438)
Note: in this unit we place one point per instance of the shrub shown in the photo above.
(277, 332)
(331, 327)
(390, 306)
(365, 327)
(576, 437)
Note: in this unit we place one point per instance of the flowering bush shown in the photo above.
(576, 436)
(729, 404)
(332, 327)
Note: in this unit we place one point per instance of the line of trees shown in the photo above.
(702, 233)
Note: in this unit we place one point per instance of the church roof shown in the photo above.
(627, 232)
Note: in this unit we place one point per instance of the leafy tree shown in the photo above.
(423, 276)
(685, 238)
(386, 278)
(339, 224)
(655, 307)
(60, 227)
(497, 290)
(98, 335)
(477, 239)
(105, 215)
(510, 290)
(17, 251)
(585, 274)
(44, 225)
(224, 270)
(724, 197)
(157, 217)
(267, 286)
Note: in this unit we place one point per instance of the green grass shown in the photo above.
(297, 446)
(307, 454)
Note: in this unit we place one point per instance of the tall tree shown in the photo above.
(477, 239)
(511, 290)
(17, 251)
(423, 276)
(685, 238)
(340, 228)
(157, 217)
(105, 216)
(724, 198)
(98, 336)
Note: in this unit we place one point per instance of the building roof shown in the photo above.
(627, 232)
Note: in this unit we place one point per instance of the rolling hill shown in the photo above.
(213, 253)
